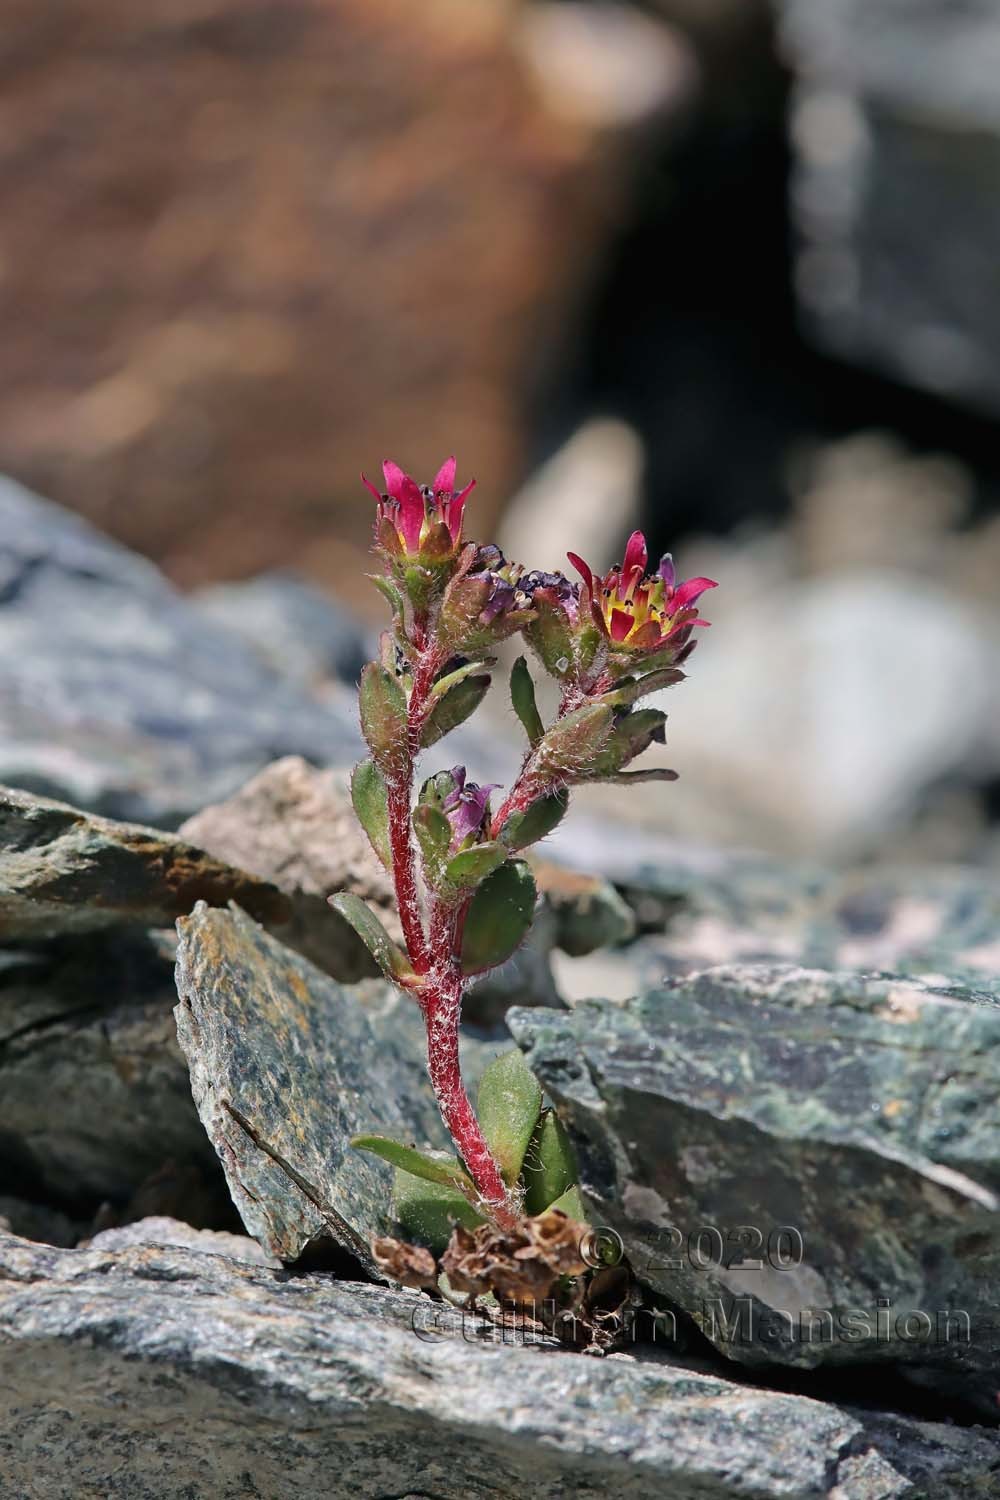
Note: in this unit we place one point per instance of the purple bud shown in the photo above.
(465, 806)
(667, 570)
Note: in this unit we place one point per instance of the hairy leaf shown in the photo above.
(428, 1211)
(388, 955)
(499, 917)
(433, 833)
(572, 744)
(454, 708)
(446, 1169)
(471, 866)
(383, 714)
(368, 795)
(536, 822)
(508, 1106)
(549, 1164)
(522, 696)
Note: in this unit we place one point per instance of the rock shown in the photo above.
(295, 826)
(36, 1221)
(206, 372)
(589, 912)
(94, 1090)
(286, 1066)
(163, 1231)
(839, 1130)
(116, 695)
(64, 872)
(896, 124)
(165, 1370)
(301, 632)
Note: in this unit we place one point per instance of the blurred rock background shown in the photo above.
(726, 269)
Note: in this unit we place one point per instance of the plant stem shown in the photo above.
(442, 1004)
(436, 958)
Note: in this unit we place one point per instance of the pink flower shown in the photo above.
(419, 520)
(641, 612)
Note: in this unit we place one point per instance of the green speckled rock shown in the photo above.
(168, 1370)
(773, 1142)
(286, 1066)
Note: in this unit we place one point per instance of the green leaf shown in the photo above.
(445, 1169)
(571, 1203)
(389, 592)
(383, 714)
(630, 689)
(549, 1164)
(536, 822)
(427, 1211)
(433, 833)
(454, 708)
(522, 696)
(445, 684)
(388, 955)
(499, 917)
(635, 732)
(470, 867)
(368, 795)
(572, 744)
(508, 1106)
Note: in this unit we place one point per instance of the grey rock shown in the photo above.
(286, 1066)
(297, 629)
(160, 1230)
(840, 1130)
(896, 124)
(65, 872)
(37, 1221)
(94, 1090)
(160, 1371)
(117, 695)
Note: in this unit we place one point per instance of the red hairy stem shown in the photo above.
(399, 795)
(442, 1004)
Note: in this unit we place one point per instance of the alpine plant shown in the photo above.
(453, 847)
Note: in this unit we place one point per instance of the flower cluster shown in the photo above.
(466, 900)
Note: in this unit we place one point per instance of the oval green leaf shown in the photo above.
(508, 1106)
(388, 955)
(499, 917)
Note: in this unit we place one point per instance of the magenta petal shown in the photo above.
(370, 487)
(394, 477)
(636, 555)
(688, 592)
(445, 477)
(621, 624)
(584, 571)
(457, 508)
(667, 571)
(411, 513)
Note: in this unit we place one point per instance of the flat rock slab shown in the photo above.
(807, 1163)
(160, 1371)
(286, 1066)
(117, 694)
(65, 872)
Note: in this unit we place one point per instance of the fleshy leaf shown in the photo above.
(444, 1169)
(472, 866)
(571, 1203)
(572, 744)
(433, 833)
(368, 795)
(427, 1211)
(388, 955)
(536, 822)
(499, 917)
(383, 714)
(633, 688)
(452, 679)
(454, 708)
(522, 696)
(389, 592)
(549, 1165)
(508, 1106)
